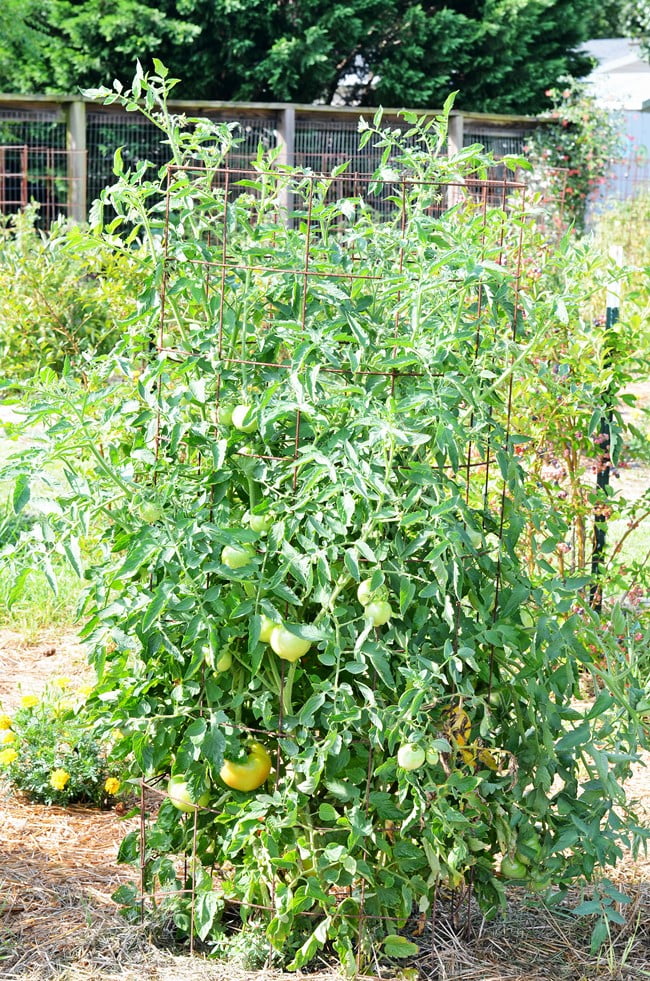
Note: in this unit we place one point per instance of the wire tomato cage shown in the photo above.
(331, 323)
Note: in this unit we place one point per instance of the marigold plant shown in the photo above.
(52, 756)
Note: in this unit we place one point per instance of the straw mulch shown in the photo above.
(58, 870)
(26, 668)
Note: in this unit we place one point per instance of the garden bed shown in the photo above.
(59, 870)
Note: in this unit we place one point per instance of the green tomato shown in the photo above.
(379, 612)
(410, 756)
(224, 661)
(244, 419)
(538, 884)
(266, 628)
(236, 556)
(181, 798)
(260, 522)
(286, 645)
(511, 868)
(529, 849)
(150, 512)
(432, 755)
(224, 415)
(366, 595)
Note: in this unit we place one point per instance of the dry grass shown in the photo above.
(58, 870)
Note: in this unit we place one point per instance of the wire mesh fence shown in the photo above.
(34, 161)
(317, 138)
(140, 139)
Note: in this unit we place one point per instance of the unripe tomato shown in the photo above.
(224, 415)
(379, 612)
(180, 796)
(286, 645)
(249, 775)
(266, 628)
(236, 556)
(529, 849)
(538, 884)
(410, 756)
(512, 869)
(244, 419)
(150, 512)
(432, 755)
(260, 522)
(366, 595)
(224, 661)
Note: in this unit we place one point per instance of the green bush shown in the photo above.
(330, 449)
(62, 295)
(572, 153)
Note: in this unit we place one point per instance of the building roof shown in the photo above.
(621, 77)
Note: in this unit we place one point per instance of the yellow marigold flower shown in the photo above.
(5, 722)
(112, 785)
(7, 736)
(58, 779)
(29, 701)
(62, 683)
(7, 756)
(86, 691)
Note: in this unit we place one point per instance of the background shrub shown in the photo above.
(62, 295)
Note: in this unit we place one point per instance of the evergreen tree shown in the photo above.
(500, 54)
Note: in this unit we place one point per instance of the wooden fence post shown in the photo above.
(287, 143)
(77, 162)
(455, 135)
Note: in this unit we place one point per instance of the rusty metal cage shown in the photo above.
(303, 345)
(41, 176)
(36, 166)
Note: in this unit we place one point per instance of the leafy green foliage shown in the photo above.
(635, 21)
(61, 295)
(377, 356)
(574, 152)
(393, 52)
(23, 43)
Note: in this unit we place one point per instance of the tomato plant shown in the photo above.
(380, 355)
